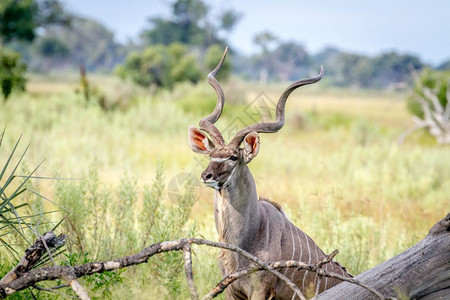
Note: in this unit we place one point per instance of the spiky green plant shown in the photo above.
(12, 223)
(19, 223)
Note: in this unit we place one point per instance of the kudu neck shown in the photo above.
(236, 210)
(241, 189)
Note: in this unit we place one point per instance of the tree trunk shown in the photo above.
(421, 272)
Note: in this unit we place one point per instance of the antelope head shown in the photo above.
(226, 159)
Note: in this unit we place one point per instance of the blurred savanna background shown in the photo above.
(97, 97)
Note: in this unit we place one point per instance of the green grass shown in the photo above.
(335, 167)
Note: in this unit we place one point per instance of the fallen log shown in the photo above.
(421, 272)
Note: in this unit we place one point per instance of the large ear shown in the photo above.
(199, 142)
(251, 146)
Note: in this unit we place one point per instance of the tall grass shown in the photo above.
(105, 222)
(335, 168)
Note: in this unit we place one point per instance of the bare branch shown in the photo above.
(53, 290)
(434, 99)
(317, 267)
(188, 270)
(70, 274)
(48, 250)
(419, 124)
(33, 254)
(352, 280)
(436, 117)
(65, 272)
(253, 258)
(79, 290)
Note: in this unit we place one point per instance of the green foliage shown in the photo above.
(85, 42)
(22, 217)
(161, 66)
(436, 82)
(12, 72)
(19, 20)
(372, 72)
(100, 284)
(103, 223)
(189, 24)
(52, 47)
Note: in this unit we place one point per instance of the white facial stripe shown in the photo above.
(226, 182)
(218, 159)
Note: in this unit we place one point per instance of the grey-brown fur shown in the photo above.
(262, 229)
(277, 206)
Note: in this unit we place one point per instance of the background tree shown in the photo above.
(189, 23)
(265, 41)
(12, 72)
(85, 42)
(161, 66)
(389, 68)
(291, 61)
(19, 20)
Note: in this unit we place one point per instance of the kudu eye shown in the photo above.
(233, 157)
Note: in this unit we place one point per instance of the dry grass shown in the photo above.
(335, 167)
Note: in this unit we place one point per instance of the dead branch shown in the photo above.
(33, 254)
(317, 267)
(432, 251)
(188, 271)
(436, 118)
(69, 273)
(420, 272)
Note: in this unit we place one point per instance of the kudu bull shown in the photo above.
(255, 225)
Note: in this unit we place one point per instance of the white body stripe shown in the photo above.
(301, 252)
(309, 261)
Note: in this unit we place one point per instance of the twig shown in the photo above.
(256, 260)
(188, 270)
(225, 282)
(79, 290)
(48, 250)
(317, 267)
(53, 290)
(355, 281)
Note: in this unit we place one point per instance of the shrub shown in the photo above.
(161, 66)
(102, 223)
(12, 72)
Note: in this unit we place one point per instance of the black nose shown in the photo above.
(206, 176)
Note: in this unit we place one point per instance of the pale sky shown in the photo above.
(368, 27)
